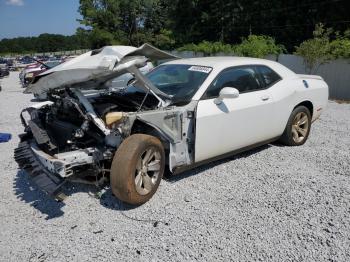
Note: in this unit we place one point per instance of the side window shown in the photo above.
(244, 79)
(268, 76)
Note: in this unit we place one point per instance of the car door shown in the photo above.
(234, 123)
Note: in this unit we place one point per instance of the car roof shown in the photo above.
(214, 61)
(222, 62)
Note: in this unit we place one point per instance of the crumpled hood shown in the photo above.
(92, 69)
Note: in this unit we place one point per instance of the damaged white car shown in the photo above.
(181, 114)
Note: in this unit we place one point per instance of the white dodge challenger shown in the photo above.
(181, 114)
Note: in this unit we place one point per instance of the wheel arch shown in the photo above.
(142, 127)
(308, 104)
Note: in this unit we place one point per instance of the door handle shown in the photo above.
(265, 98)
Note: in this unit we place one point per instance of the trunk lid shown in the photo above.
(310, 77)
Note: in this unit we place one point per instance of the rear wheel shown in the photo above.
(298, 127)
(137, 169)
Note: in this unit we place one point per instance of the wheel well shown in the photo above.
(140, 127)
(308, 105)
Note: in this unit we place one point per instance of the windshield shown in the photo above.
(52, 64)
(179, 81)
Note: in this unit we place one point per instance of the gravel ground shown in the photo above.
(271, 204)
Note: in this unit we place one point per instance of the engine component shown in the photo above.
(79, 133)
(114, 118)
(41, 136)
(61, 131)
(91, 112)
(114, 139)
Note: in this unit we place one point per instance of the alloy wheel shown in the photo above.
(300, 127)
(147, 170)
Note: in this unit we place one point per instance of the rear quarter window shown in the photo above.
(267, 75)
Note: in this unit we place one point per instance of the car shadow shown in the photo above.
(109, 201)
(222, 106)
(26, 190)
(278, 144)
(202, 168)
(37, 100)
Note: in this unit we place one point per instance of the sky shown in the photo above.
(34, 17)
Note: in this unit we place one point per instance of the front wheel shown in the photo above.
(137, 169)
(298, 127)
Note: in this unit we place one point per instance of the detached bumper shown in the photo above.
(47, 181)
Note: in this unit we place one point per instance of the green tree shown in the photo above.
(208, 48)
(126, 21)
(316, 51)
(46, 43)
(340, 47)
(290, 22)
(252, 46)
(258, 46)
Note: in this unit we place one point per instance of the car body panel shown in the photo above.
(288, 94)
(233, 124)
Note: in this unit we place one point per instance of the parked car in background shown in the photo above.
(26, 60)
(68, 58)
(31, 71)
(27, 70)
(7, 61)
(11, 64)
(4, 70)
(181, 114)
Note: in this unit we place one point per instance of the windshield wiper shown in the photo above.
(47, 67)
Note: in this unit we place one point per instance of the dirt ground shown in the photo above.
(273, 203)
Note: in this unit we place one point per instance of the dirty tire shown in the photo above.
(129, 166)
(294, 135)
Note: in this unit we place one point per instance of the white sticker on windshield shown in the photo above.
(202, 69)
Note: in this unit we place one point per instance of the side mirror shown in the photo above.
(226, 92)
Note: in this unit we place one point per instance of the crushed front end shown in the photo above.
(60, 144)
(75, 134)
(49, 182)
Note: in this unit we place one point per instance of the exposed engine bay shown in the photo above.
(73, 124)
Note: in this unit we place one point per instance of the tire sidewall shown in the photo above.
(288, 131)
(124, 168)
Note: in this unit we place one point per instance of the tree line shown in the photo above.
(45, 43)
(170, 24)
